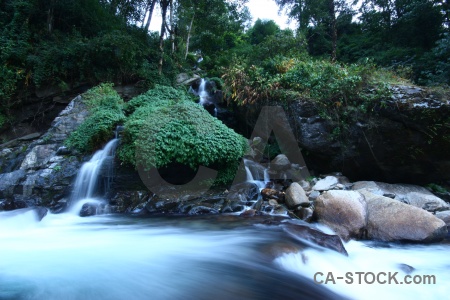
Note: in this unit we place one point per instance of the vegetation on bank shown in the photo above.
(162, 126)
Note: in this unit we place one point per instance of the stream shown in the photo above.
(122, 257)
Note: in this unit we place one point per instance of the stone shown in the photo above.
(296, 196)
(391, 220)
(444, 216)
(243, 192)
(38, 156)
(8, 182)
(411, 194)
(313, 195)
(306, 233)
(268, 194)
(343, 211)
(88, 209)
(280, 163)
(326, 183)
(304, 213)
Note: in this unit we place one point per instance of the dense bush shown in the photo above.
(105, 107)
(164, 130)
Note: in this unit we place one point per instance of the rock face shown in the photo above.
(410, 194)
(40, 174)
(344, 211)
(326, 183)
(391, 220)
(394, 143)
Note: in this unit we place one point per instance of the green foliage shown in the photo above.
(105, 107)
(437, 188)
(160, 95)
(95, 130)
(162, 130)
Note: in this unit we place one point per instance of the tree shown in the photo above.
(318, 17)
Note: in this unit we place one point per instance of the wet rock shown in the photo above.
(249, 213)
(326, 183)
(304, 213)
(304, 233)
(406, 268)
(411, 194)
(296, 196)
(268, 194)
(392, 220)
(344, 211)
(273, 202)
(243, 192)
(89, 209)
(8, 182)
(201, 210)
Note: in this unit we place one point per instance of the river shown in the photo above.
(122, 257)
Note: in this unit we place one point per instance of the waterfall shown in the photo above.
(87, 182)
(202, 92)
(256, 173)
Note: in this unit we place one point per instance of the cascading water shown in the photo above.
(202, 92)
(261, 177)
(88, 181)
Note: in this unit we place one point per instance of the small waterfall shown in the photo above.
(88, 180)
(202, 92)
(256, 173)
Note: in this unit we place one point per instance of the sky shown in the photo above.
(268, 10)
(262, 9)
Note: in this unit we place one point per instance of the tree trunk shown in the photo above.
(189, 36)
(172, 28)
(150, 14)
(50, 16)
(333, 28)
(163, 4)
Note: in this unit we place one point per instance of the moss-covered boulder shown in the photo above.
(165, 127)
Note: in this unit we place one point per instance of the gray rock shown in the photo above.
(38, 156)
(305, 233)
(444, 216)
(280, 163)
(344, 211)
(8, 182)
(326, 183)
(296, 196)
(411, 194)
(391, 220)
(304, 213)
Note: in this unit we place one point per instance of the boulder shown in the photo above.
(312, 236)
(8, 182)
(280, 163)
(268, 194)
(444, 216)
(344, 211)
(411, 194)
(243, 192)
(392, 220)
(326, 183)
(296, 196)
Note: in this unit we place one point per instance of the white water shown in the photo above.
(425, 259)
(202, 93)
(250, 178)
(110, 257)
(86, 183)
(106, 257)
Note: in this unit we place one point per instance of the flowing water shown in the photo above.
(114, 257)
(109, 257)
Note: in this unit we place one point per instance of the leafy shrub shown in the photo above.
(158, 96)
(105, 107)
(163, 132)
(95, 130)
